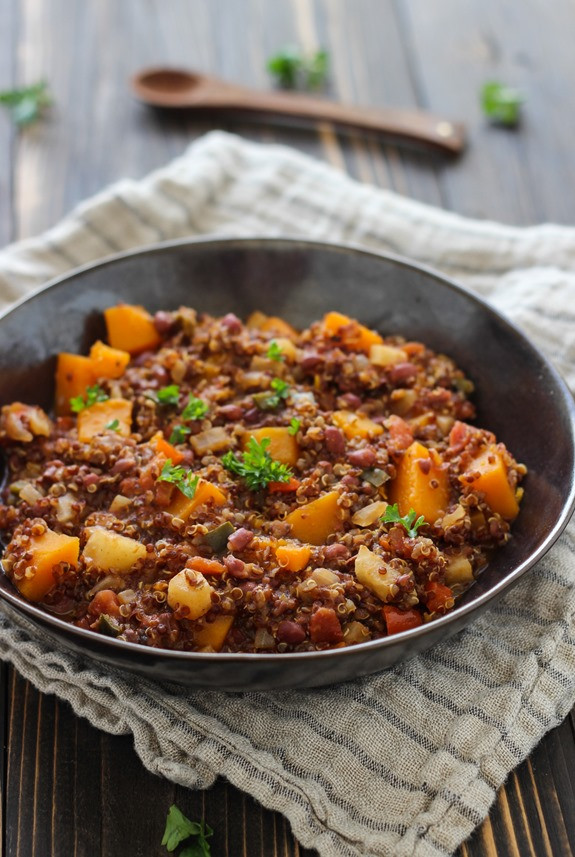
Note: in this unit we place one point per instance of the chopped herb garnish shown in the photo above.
(270, 401)
(169, 395)
(25, 104)
(195, 409)
(179, 828)
(256, 466)
(179, 434)
(93, 395)
(293, 70)
(179, 476)
(294, 426)
(408, 521)
(113, 425)
(501, 103)
(274, 352)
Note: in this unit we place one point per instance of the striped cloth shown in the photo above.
(406, 762)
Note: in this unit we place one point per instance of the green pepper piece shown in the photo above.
(217, 538)
(108, 625)
(375, 476)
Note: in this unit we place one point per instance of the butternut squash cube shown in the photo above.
(74, 374)
(293, 557)
(213, 635)
(283, 446)
(48, 550)
(96, 419)
(421, 484)
(349, 333)
(131, 328)
(386, 355)
(315, 521)
(110, 551)
(356, 425)
(271, 324)
(491, 481)
(206, 492)
(108, 362)
(191, 590)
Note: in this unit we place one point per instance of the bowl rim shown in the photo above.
(455, 615)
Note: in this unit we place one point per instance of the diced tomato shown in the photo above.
(325, 627)
(284, 487)
(400, 432)
(206, 566)
(401, 620)
(439, 597)
(105, 601)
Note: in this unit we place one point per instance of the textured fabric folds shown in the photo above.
(406, 762)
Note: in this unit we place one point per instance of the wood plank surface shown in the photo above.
(66, 788)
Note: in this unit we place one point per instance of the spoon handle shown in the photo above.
(415, 126)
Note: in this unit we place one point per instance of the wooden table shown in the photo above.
(66, 788)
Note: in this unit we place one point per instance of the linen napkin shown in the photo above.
(408, 761)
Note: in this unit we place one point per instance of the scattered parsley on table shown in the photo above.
(502, 104)
(179, 828)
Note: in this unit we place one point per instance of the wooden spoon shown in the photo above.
(175, 88)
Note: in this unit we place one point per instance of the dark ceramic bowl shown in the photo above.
(519, 396)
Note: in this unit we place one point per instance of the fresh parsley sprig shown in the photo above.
(294, 70)
(93, 395)
(195, 409)
(411, 526)
(270, 401)
(26, 103)
(179, 434)
(275, 352)
(501, 104)
(294, 426)
(256, 466)
(169, 395)
(180, 477)
(179, 828)
(113, 425)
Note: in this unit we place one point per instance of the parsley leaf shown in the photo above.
(274, 352)
(270, 401)
(179, 434)
(179, 476)
(93, 395)
(26, 103)
(256, 466)
(501, 103)
(113, 425)
(411, 526)
(294, 426)
(293, 70)
(195, 409)
(169, 395)
(179, 828)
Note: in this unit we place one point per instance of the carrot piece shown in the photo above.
(284, 487)
(164, 447)
(488, 476)
(317, 520)
(214, 634)
(398, 620)
(206, 492)
(73, 374)
(421, 484)
(439, 597)
(293, 557)
(108, 362)
(47, 550)
(131, 328)
(283, 447)
(349, 333)
(206, 566)
(96, 419)
(356, 425)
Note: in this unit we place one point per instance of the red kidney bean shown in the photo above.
(161, 374)
(351, 400)
(336, 551)
(402, 372)
(290, 632)
(334, 440)
(122, 465)
(253, 415)
(310, 360)
(163, 322)
(143, 358)
(362, 457)
(232, 323)
(231, 412)
(247, 586)
(240, 539)
(90, 479)
(235, 566)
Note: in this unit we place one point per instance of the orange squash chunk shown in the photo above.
(93, 420)
(131, 328)
(315, 521)
(271, 324)
(206, 492)
(423, 487)
(352, 335)
(492, 482)
(163, 446)
(283, 447)
(108, 362)
(48, 550)
(293, 557)
(73, 374)
(214, 633)
(356, 425)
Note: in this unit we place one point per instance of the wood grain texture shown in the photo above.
(68, 790)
